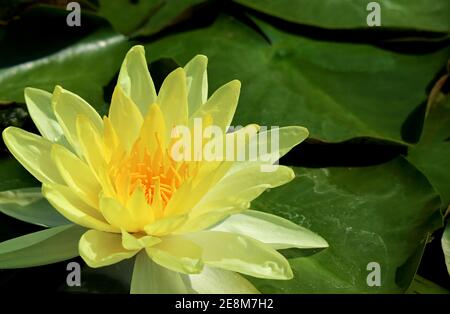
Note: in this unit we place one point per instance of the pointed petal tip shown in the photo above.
(201, 58)
(235, 83)
(58, 89)
(137, 48)
(29, 90)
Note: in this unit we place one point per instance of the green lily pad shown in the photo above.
(432, 154)
(379, 214)
(345, 14)
(337, 90)
(144, 17)
(83, 68)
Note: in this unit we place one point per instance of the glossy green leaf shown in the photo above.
(144, 17)
(344, 14)
(337, 90)
(380, 214)
(41, 248)
(29, 205)
(83, 68)
(432, 154)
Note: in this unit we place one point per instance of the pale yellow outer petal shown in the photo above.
(241, 254)
(33, 152)
(70, 206)
(135, 79)
(218, 281)
(172, 99)
(178, 254)
(98, 248)
(67, 106)
(197, 82)
(77, 175)
(280, 233)
(125, 117)
(39, 105)
(221, 106)
(272, 144)
(151, 278)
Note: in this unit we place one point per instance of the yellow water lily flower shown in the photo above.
(188, 222)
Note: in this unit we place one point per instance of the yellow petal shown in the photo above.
(280, 233)
(153, 132)
(197, 82)
(39, 105)
(139, 208)
(165, 226)
(178, 254)
(201, 222)
(98, 248)
(243, 186)
(150, 278)
(119, 216)
(91, 144)
(71, 207)
(135, 79)
(172, 99)
(242, 254)
(192, 191)
(126, 118)
(138, 241)
(218, 281)
(110, 138)
(271, 145)
(77, 175)
(33, 152)
(221, 106)
(67, 106)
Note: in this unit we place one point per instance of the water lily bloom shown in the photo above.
(186, 222)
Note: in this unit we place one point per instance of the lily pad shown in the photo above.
(379, 214)
(432, 154)
(337, 90)
(345, 14)
(83, 68)
(144, 17)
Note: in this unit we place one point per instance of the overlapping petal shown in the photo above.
(241, 254)
(98, 248)
(135, 80)
(280, 233)
(33, 152)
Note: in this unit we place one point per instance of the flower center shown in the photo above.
(157, 174)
